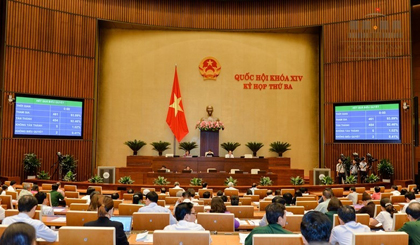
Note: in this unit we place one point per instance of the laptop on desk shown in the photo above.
(127, 222)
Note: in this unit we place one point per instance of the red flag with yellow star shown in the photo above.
(176, 115)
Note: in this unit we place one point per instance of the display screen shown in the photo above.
(48, 117)
(368, 122)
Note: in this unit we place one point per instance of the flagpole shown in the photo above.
(174, 144)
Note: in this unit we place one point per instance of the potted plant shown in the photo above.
(68, 164)
(385, 170)
(126, 180)
(160, 146)
(196, 181)
(135, 145)
(96, 179)
(230, 146)
(372, 178)
(230, 179)
(254, 147)
(187, 146)
(161, 181)
(266, 181)
(351, 179)
(31, 163)
(327, 180)
(43, 175)
(70, 176)
(279, 147)
(297, 180)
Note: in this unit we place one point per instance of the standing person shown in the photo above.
(343, 233)
(385, 216)
(27, 206)
(341, 171)
(105, 211)
(412, 228)
(354, 169)
(56, 196)
(363, 169)
(276, 217)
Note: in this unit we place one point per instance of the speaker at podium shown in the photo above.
(107, 173)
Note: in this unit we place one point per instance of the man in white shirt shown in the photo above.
(152, 207)
(12, 186)
(42, 199)
(270, 194)
(341, 171)
(229, 155)
(343, 233)
(176, 186)
(410, 197)
(395, 191)
(186, 197)
(185, 214)
(27, 206)
(322, 207)
(363, 169)
(352, 195)
(230, 186)
(25, 191)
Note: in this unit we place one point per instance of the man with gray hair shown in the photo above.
(25, 191)
(326, 196)
(230, 186)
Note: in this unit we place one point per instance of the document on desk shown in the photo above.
(60, 219)
(144, 237)
(59, 209)
(242, 237)
(243, 222)
(255, 222)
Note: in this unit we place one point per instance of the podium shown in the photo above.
(209, 140)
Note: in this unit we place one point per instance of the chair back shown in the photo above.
(244, 211)
(69, 201)
(10, 212)
(97, 188)
(79, 206)
(70, 187)
(397, 199)
(199, 208)
(360, 218)
(46, 187)
(398, 221)
(117, 203)
(295, 210)
(308, 205)
(230, 193)
(181, 237)
(162, 196)
(383, 238)
(2, 228)
(293, 222)
(260, 192)
(71, 194)
(410, 187)
(201, 192)
(264, 204)
(128, 209)
(216, 221)
(161, 203)
(150, 221)
(254, 198)
(70, 235)
(128, 196)
(245, 200)
(306, 198)
(346, 202)
(360, 189)
(274, 239)
(338, 192)
(7, 200)
(173, 191)
(386, 195)
(49, 200)
(206, 201)
(79, 218)
(376, 201)
(171, 200)
(13, 194)
(291, 191)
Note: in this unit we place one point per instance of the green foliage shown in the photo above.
(43, 175)
(68, 164)
(161, 181)
(254, 147)
(297, 180)
(230, 146)
(135, 145)
(385, 169)
(31, 163)
(372, 178)
(187, 146)
(327, 180)
(351, 179)
(266, 181)
(196, 181)
(160, 146)
(70, 176)
(126, 180)
(96, 179)
(231, 179)
(280, 147)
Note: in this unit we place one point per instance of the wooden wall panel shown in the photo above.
(33, 72)
(67, 29)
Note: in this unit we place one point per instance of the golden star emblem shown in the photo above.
(176, 105)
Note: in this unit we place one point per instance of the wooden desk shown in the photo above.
(50, 220)
(219, 239)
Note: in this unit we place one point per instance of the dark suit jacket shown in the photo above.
(368, 209)
(120, 236)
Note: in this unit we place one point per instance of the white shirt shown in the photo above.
(322, 207)
(23, 193)
(252, 189)
(385, 218)
(406, 205)
(363, 166)
(10, 188)
(87, 197)
(353, 196)
(343, 234)
(395, 193)
(353, 169)
(229, 156)
(42, 231)
(154, 208)
(2, 213)
(340, 168)
(230, 188)
(184, 226)
(47, 210)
